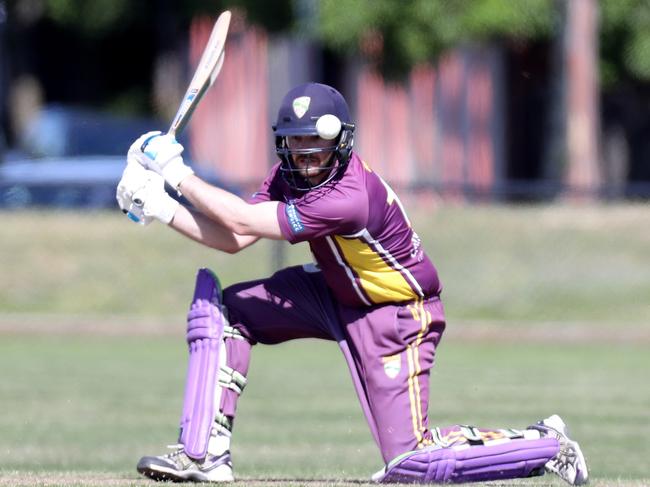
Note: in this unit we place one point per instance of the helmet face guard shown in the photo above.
(313, 110)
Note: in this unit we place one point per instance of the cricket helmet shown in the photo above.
(313, 109)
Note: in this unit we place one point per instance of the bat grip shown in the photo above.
(131, 216)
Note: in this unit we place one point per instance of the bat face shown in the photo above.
(206, 72)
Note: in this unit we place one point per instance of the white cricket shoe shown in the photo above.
(176, 466)
(569, 463)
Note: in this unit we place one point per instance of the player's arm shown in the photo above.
(141, 194)
(232, 212)
(206, 231)
(162, 154)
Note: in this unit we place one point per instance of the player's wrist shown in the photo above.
(175, 172)
(167, 209)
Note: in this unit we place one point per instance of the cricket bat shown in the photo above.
(206, 72)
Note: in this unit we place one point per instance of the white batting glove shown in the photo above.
(161, 153)
(141, 195)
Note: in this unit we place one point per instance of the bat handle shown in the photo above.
(131, 216)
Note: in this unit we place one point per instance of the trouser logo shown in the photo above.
(392, 365)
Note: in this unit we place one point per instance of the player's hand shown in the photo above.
(133, 178)
(161, 153)
(141, 195)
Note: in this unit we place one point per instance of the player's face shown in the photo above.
(310, 165)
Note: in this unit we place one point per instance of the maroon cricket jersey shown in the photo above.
(359, 235)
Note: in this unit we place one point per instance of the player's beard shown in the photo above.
(312, 168)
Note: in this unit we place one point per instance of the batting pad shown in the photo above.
(205, 325)
(507, 460)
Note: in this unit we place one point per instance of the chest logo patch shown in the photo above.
(392, 365)
(301, 105)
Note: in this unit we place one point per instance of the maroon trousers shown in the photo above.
(388, 348)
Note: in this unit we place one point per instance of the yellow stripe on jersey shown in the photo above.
(381, 282)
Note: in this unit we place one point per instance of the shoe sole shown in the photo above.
(164, 474)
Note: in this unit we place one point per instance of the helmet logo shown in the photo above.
(301, 105)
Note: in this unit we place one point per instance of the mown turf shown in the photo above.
(510, 264)
(548, 312)
(93, 406)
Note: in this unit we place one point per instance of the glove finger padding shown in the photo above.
(136, 147)
(162, 149)
(151, 201)
(162, 154)
(133, 178)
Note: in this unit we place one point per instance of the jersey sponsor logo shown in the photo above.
(294, 218)
(301, 105)
(392, 365)
(416, 247)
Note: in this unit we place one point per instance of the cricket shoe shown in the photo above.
(569, 463)
(176, 466)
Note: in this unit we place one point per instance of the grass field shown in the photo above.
(549, 311)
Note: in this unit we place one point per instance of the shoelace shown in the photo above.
(565, 460)
(178, 449)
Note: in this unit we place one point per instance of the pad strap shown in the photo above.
(234, 333)
(463, 434)
(232, 379)
(222, 424)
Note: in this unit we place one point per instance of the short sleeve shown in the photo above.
(332, 211)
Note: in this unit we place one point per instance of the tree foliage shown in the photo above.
(101, 17)
(625, 39)
(395, 35)
(398, 35)
(93, 19)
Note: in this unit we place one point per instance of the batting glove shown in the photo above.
(161, 153)
(141, 195)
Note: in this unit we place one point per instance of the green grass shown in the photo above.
(93, 358)
(92, 406)
(508, 264)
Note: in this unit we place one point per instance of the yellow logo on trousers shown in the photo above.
(392, 365)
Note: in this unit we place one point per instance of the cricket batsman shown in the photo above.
(372, 289)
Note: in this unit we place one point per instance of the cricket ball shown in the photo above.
(328, 126)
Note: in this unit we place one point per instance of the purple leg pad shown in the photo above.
(513, 459)
(205, 324)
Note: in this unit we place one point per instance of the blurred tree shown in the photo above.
(625, 40)
(107, 15)
(394, 35)
(140, 37)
